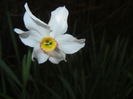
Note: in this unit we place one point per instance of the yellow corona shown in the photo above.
(48, 44)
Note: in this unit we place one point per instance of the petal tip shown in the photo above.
(64, 8)
(26, 5)
(18, 31)
(61, 8)
(83, 40)
(27, 8)
(15, 29)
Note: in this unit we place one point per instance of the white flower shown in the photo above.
(49, 40)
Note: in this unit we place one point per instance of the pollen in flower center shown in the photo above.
(48, 44)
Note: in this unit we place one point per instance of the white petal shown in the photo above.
(18, 31)
(70, 44)
(57, 56)
(55, 60)
(39, 55)
(58, 20)
(33, 23)
(29, 38)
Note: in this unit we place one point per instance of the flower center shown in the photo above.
(48, 44)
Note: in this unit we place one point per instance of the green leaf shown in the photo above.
(26, 67)
(26, 63)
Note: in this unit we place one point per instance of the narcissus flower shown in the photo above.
(49, 41)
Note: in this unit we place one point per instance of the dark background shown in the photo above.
(111, 18)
